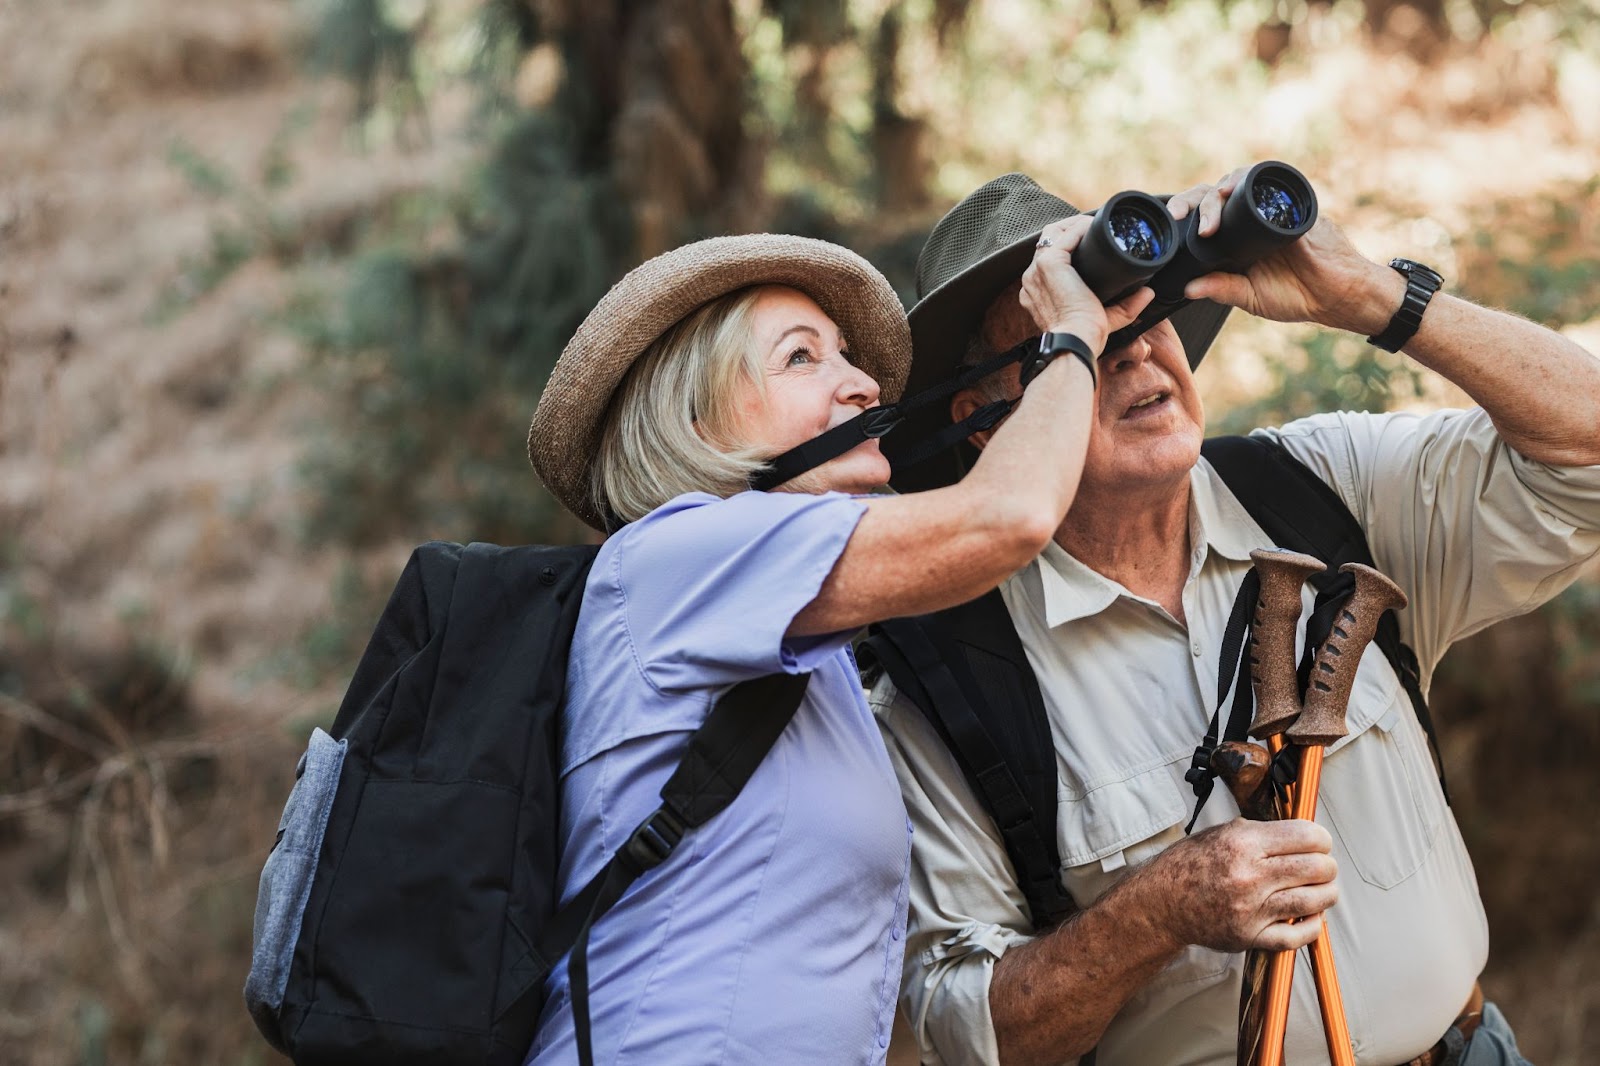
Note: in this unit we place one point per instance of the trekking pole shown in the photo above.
(1264, 996)
(1321, 723)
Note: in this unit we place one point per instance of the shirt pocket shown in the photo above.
(1105, 830)
(1379, 791)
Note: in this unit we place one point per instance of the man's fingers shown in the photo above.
(1294, 836)
(1290, 904)
(1185, 201)
(1308, 868)
(1288, 936)
(1231, 289)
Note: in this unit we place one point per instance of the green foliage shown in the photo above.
(1537, 256)
(440, 358)
(1325, 371)
(250, 222)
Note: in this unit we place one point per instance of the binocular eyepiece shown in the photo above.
(1134, 241)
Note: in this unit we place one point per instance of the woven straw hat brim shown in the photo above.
(565, 434)
(943, 323)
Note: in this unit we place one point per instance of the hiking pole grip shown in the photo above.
(1334, 671)
(1272, 657)
(1244, 768)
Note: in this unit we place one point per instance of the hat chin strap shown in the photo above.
(879, 421)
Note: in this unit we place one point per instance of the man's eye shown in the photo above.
(798, 356)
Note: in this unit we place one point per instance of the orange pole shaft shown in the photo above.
(1280, 976)
(1334, 1027)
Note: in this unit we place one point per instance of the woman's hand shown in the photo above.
(1060, 301)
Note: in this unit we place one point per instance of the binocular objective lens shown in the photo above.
(1276, 204)
(1134, 235)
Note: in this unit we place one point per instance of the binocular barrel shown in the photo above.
(1131, 238)
(1274, 205)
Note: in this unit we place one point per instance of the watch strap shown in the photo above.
(1421, 283)
(1054, 344)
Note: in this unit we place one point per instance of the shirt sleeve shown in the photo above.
(966, 909)
(1470, 529)
(709, 587)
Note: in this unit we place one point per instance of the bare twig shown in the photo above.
(50, 724)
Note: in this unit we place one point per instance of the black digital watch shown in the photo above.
(1054, 344)
(1421, 283)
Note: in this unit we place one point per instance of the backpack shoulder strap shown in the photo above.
(1291, 504)
(722, 755)
(1300, 511)
(966, 670)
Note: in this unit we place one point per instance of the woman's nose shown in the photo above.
(858, 388)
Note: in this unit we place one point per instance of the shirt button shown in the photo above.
(894, 934)
(883, 1040)
(1195, 647)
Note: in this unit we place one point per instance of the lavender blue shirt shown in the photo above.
(775, 932)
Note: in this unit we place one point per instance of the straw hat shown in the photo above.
(974, 252)
(565, 435)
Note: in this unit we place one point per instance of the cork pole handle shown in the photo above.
(1272, 658)
(1334, 671)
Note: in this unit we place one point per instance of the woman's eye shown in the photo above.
(798, 356)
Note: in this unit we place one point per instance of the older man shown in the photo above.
(1477, 514)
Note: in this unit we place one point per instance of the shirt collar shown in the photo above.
(1217, 520)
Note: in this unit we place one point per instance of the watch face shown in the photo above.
(1412, 268)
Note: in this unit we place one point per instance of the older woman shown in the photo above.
(773, 932)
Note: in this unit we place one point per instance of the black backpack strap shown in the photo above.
(722, 755)
(1300, 511)
(965, 669)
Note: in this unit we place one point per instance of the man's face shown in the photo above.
(1149, 422)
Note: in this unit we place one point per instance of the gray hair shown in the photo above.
(996, 386)
(667, 430)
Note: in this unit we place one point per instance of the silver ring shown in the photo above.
(1044, 242)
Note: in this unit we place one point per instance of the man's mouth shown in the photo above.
(1147, 405)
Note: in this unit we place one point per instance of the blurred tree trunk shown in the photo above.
(664, 85)
(899, 141)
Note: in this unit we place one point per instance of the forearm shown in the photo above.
(1028, 470)
(1541, 390)
(926, 551)
(1052, 998)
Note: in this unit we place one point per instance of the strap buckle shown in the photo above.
(1200, 766)
(653, 841)
(879, 421)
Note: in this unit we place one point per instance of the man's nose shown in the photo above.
(1128, 357)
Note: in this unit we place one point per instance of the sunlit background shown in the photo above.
(280, 281)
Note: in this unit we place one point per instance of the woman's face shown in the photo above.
(811, 386)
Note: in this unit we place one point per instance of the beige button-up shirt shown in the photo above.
(1470, 530)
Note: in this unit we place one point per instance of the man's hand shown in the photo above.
(1245, 884)
(1541, 389)
(1236, 886)
(1319, 278)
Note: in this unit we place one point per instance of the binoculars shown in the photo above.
(1134, 241)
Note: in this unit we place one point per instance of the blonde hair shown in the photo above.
(668, 428)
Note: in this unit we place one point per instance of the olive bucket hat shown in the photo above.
(982, 246)
(653, 297)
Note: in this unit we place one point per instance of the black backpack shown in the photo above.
(408, 911)
(966, 670)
